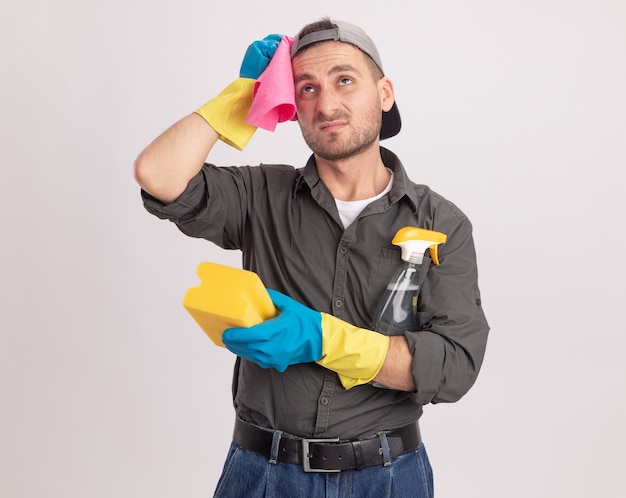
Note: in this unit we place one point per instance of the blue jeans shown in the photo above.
(249, 475)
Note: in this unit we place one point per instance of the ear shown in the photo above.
(387, 94)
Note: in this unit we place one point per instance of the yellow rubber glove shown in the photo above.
(227, 113)
(356, 354)
(299, 334)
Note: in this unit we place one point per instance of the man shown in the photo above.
(320, 238)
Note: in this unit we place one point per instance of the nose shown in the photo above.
(327, 102)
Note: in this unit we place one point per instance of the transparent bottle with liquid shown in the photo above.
(397, 311)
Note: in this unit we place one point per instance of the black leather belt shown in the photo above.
(326, 455)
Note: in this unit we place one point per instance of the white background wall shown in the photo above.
(514, 110)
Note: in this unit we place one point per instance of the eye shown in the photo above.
(305, 91)
(345, 80)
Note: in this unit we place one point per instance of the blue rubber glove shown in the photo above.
(301, 335)
(258, 56)
(293, 336)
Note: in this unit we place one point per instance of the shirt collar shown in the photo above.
(402, 186)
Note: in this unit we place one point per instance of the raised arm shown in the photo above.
(165, 167)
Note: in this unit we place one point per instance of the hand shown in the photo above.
(258, 56)
(301, 335)
(294, 336)
(226, 113)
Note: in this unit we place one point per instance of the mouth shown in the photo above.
(332, 126)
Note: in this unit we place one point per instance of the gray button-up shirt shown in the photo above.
(285, 222)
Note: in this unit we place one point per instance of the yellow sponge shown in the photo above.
(227, 297)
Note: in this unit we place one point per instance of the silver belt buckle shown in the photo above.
(306, 463)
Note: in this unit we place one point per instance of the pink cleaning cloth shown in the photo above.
(274, 99)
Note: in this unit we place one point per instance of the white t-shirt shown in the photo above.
(349, 210)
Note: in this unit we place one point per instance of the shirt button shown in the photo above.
(338, 303)
(343, 250)
(324, 401)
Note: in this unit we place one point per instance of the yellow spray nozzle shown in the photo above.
(417, 240)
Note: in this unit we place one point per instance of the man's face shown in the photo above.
(339, 102)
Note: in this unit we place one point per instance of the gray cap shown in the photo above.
(349, 33)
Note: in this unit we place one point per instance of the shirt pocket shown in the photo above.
(386, 268)
(382, 268)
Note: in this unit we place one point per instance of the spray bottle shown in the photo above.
(397, 311)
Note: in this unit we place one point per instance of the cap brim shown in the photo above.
(391, 123)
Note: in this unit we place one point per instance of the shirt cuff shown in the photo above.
(185, 206)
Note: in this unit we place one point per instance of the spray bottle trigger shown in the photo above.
(433, 254)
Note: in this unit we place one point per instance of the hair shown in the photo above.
(321, 25)
(325, 23)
